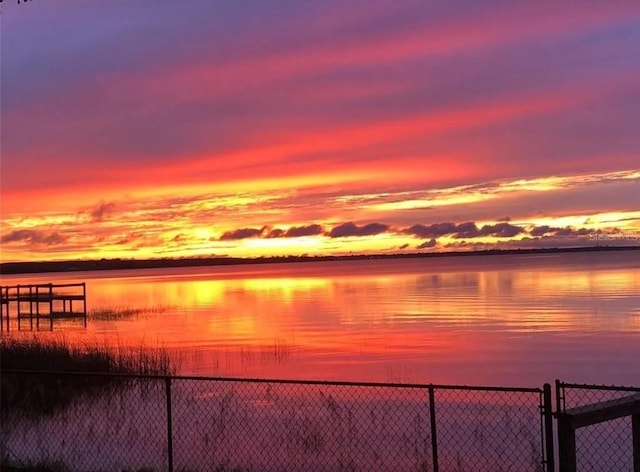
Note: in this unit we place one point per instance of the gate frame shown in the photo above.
(595, 413)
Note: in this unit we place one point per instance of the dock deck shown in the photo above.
(35, 302)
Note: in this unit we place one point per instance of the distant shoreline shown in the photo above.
(130, 264)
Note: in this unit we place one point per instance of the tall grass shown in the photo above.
(60, 355)
(46, 394)
(116, 313)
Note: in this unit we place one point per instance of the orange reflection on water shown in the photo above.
(482, 319)
(288, 288)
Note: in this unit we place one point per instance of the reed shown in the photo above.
(116, 313)
(60, 355)
(46, 394)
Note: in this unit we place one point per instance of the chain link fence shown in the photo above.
(489, 429)
(86, 422)
(235, 425)
(89, 422)
(604, 444)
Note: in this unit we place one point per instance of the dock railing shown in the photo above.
(34, 302)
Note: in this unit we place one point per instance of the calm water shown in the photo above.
(506, 320)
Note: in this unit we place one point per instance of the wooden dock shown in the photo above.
(36, 302)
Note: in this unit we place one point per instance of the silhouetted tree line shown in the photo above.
(124, 264)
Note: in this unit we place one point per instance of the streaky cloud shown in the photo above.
(276, 233)
(295, 231)
(501, 230)
(243, 233)
(350, 229)
(428, 244)
(431, 231)
(102, 209)
(32, 236)
(299, 231)
(543, 230)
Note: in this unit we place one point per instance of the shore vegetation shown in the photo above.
(108, 367)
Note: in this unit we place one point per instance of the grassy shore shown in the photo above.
(45, 394)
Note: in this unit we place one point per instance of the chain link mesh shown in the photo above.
(489, 430)
(90, 423)
(602, 447)
(106, 423)
(273, 426)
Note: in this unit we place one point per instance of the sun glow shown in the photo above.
(276, 244)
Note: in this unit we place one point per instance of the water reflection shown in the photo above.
(517, 320)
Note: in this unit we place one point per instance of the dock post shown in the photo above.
(84, 302)
(51, 306)
(19, 310)
(38, 315)
(2, 308)
(8, 306)
(50, 300)
(31, 306)
(18, 299)
(38, 304)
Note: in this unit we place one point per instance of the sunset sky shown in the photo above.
(247, 128)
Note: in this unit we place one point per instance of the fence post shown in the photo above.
(566, 434)
(635, 427)
(434, 433)
(167, 385)
(559, 398)
(547, 407)
(566, 444)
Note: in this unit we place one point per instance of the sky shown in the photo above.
(249, 128)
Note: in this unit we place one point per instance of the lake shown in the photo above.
(517, 320)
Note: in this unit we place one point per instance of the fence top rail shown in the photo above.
(607, 404)
(282, 381)
(483, 388)
(616, 388)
